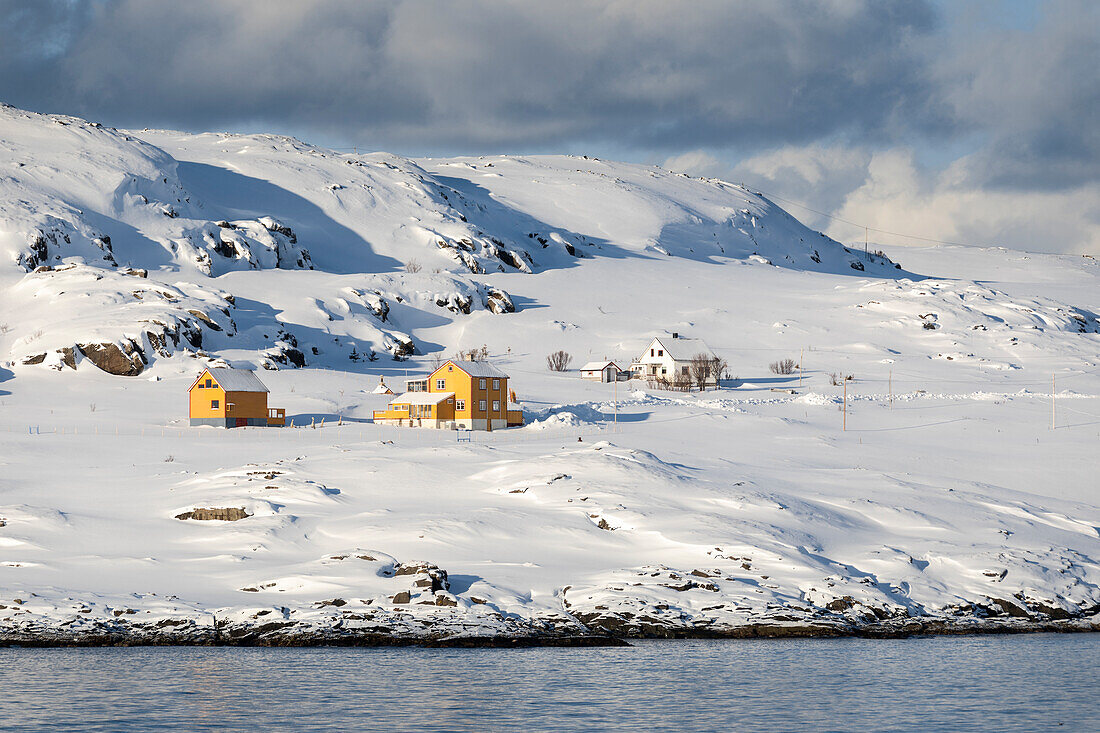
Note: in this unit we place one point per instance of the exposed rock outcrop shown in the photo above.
(228, 514)
(125, 360)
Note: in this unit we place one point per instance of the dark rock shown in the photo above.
(125, 361)
(402, 597)
(497, 301)
(68, 357)
(230, 514)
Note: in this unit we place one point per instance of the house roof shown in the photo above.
(595, 366)
(478, 369)
(683, 349)
(422, 398)
(235, 380)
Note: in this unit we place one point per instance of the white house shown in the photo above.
(601, 371)
(669, 358)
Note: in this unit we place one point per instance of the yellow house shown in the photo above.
(232, 398)
(459, 394)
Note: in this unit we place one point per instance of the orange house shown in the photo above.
(459, 394)
(232, 398)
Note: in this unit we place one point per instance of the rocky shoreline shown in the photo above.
(279, 635)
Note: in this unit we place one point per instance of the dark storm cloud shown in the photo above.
(486, 74)
(641, 75)
(1035, 93)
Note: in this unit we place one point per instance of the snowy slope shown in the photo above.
(948, 500)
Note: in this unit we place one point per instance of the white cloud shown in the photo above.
(886, 190)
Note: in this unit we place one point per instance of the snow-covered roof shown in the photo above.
(683, 349)
(595, 366)
(479, 369)
(237, 380)
(422, 398)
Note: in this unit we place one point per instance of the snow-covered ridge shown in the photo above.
(187, 208)
(928, 491)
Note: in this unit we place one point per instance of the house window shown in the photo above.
(450, 400)
(460, 405)
(481, 405)
(213, 404)
(441, 384)
(450, 368)
(660, 352)
(209, 383)
(664, 371)
(684, 371)
(402, 407)
(651, 352)
(481, 384)
(496, 384)
(496, 405)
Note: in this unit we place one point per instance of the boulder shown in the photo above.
(125, 361)
(228, 514)
(498, 301)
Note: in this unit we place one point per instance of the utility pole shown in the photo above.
(801, 354)
(865, 255)
(844, 424)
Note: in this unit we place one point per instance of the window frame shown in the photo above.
(460, 405)
(441, 385)
(209, 384)
(481, 406)
(481, 383)
(215, 404)
(496, 405)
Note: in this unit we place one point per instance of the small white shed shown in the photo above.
(600, 371)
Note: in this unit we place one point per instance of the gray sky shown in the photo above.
(976, 122)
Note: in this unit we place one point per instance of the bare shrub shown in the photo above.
(929, 326)
(681, 382)
(4, 328)
(836, 379)
(783, 366)
(558, 361)
(706, 369)
(413, 266)
(169, 458)
(478, 353)
(91, 407)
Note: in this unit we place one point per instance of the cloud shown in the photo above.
(898, 197)
(886, 190)
(823, 101)
(1034, 93)
(490, 73)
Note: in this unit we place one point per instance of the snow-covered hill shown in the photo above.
(131, 259)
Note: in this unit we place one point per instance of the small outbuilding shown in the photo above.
(601, 371)
(232, 398)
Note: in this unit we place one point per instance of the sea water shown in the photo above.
(1027, 682)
